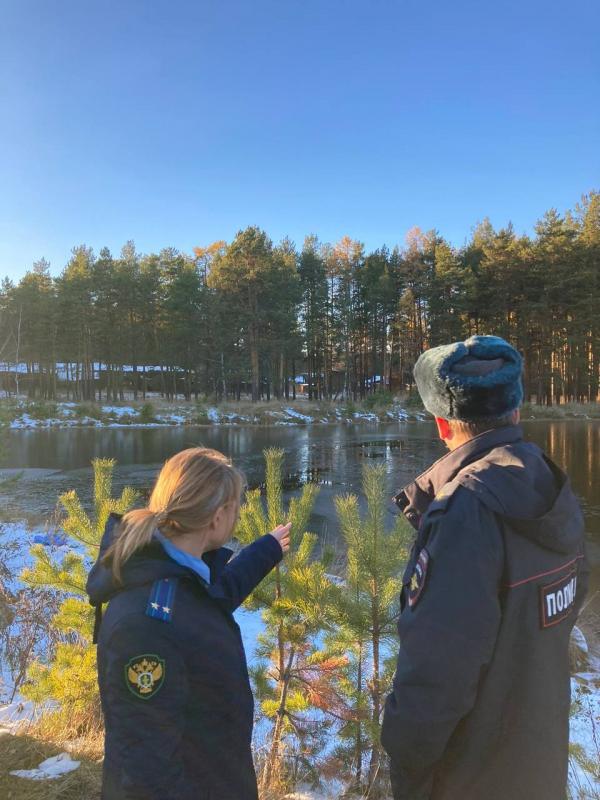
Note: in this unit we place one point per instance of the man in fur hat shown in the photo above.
(497, 574)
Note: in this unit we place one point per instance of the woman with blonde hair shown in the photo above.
(174, 685)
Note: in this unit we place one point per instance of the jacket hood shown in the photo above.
(146, 566)
(529, 491)
(513, 478)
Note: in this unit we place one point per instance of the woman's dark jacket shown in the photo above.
(174, 684)
(480, 702)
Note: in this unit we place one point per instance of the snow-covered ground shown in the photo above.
(17, 713)
(585, 735)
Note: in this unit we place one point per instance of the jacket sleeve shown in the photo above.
(146, 727)
(446, 639)
(246, 570)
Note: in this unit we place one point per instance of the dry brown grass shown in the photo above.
(24, 751)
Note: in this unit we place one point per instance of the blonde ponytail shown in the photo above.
(189, 489)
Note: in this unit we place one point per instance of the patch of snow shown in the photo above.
(50, 769)
(331, 790)
(579, 639)
(214, 415)
(397, 413)
(297, 415)
(17, 713)
(52, 538)
(23, 537)
(25, 421)
(251, 626)
(584, 727)
(368, 415)
(120, 411)
(178, 419)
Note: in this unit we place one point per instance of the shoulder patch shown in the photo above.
(162, 599)
(557, 599)
(144, 675)
(418, 578)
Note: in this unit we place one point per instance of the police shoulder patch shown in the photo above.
(557, 599)
(418, 578)
(144, 675)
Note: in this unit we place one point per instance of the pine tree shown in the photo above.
(69, 678)
(293, 673)
(366, 614)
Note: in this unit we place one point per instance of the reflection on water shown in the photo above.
(575, 446)
(331, 456)
(296, 480)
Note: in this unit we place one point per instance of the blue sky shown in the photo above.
(177, 123)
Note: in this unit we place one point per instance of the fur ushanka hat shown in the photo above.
(476, 379)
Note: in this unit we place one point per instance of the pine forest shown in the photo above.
(258, 320)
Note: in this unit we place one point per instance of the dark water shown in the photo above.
(332, 456)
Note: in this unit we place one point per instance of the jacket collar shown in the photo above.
(414, 499)
(146, 566)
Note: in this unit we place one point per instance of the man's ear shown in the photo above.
(444, 429)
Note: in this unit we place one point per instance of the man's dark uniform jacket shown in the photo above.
(181, 731)
(496, 577)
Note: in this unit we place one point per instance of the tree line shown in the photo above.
(247, 318)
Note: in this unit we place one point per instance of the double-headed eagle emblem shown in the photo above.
(144, 675)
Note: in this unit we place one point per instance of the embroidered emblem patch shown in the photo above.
(144, 675)
(417, 581)
(557, 600)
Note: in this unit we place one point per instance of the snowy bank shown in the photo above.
(23, 415)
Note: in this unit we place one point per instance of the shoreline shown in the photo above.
(37, 415)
